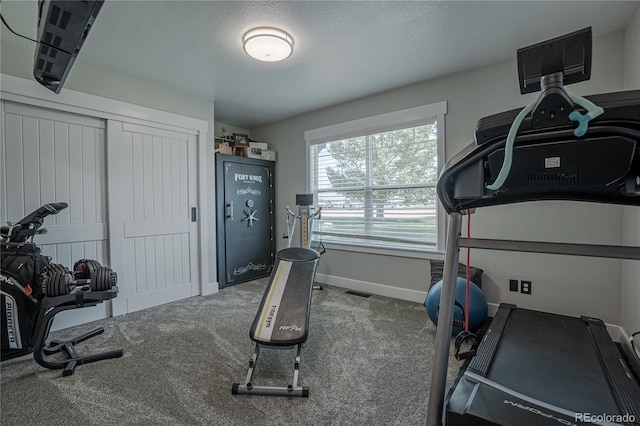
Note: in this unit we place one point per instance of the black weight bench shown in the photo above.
(282, 321)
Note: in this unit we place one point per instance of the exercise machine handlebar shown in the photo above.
(305, 219)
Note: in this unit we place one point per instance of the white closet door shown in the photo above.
(158, 172)
(52, 156)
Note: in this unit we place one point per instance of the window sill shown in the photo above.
(397, 252)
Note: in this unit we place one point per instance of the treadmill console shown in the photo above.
(559, 147)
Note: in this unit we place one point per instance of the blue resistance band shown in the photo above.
(593, 111)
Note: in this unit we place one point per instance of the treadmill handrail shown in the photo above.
(570, 249)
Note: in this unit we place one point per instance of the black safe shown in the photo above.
(245, 218)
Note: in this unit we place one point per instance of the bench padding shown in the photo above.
(283, 316)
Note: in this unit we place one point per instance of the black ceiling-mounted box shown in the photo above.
(63, 27)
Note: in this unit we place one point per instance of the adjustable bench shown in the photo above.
(282, 321)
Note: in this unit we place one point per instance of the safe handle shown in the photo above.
(230, 210)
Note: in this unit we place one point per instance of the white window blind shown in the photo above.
(375, 179)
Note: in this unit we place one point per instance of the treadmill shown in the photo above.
(531, 367)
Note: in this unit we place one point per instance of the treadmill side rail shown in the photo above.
(482, 361)
(624, 387)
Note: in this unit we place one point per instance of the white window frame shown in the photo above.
(411, 117)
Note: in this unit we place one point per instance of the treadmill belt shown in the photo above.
(546, 369)
(550, 358)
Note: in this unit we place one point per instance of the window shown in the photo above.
(375, 179)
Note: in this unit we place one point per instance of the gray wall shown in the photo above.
(630, 292)
(217, 129)
(17, 60)
(560, 283)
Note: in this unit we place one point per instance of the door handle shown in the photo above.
(251, 217)
(230, 210)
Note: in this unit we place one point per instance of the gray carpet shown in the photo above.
(367, 361)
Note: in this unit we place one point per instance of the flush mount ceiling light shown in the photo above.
(267, 44)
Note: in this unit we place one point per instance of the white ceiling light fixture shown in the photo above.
(267, 44)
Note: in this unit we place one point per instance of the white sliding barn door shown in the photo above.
(158, 187)
(52, 156)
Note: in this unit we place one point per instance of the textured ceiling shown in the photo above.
(343, 50)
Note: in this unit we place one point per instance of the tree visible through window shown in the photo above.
(378, 189)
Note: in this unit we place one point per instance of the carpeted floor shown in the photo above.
(367, 362)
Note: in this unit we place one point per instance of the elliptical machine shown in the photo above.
(34, 290)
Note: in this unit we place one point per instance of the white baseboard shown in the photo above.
(209, 288)
(625, 338)
(383, 290)
(616, 332)
(493, 309)
(373, 288)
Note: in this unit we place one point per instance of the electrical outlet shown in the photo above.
(513, 285)
(525, 287)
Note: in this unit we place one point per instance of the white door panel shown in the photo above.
(57, 156)
(160, 241)
(53, 156)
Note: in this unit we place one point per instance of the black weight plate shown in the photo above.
(84, 267)
(55, 267)
(57, 284)
(101, 279)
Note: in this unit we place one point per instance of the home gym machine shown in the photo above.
(282, 321)
(306, 218)
(34, 291)
(536, 368)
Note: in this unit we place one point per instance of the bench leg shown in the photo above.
(290, 390)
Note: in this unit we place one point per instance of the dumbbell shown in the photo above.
(61, 283)
(83, 268)
(58, 283)
(103, 279)
(58, 280)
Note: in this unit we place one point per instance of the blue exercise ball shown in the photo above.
(478, 309)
